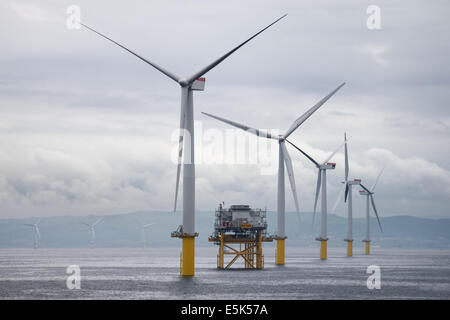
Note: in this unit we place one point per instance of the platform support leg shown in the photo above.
(367, 247)
(323, 249)
(279, 259)
(221, 253)
(349, 248)
(188, 257)
(259, 257)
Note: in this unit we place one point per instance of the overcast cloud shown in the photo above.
(86, 128)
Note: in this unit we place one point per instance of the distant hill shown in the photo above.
(123, 231)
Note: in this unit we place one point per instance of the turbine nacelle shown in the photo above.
(198, 84)
(364, 193)
(328, 166)
(354, 182)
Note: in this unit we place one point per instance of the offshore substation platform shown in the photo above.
(240, 225)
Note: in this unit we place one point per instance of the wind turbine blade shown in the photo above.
(308, 113)
(86, 224)
(256, 132)
(177, 183)
(346, 192)
(180, 157)
(375, 210)
(334, 152)
(28, 224)
(319, 181)
(93, 232)
(216, 62)
(336, 203)
(378, 178)
(154, 65)
(37, 232)
(97, 222)
(290, 171)
(304, 153)
(362, 186)
(346, 163)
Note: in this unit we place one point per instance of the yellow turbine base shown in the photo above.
(367, 247)
(349, 248)
(279, 255)
(188, 257)
(323, 249)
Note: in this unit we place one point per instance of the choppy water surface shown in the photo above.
(154, 274)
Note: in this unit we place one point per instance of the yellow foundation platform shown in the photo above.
(187, 255)
(349, 248)
(367, 247)
(187, 259)
(280, 253)
(323, 249)
(251, 253)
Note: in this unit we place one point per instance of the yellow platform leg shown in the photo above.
(221, 252)
(367, 247)
(279, 259)
(259, 256)
(188, 257)
(349, 248)
(323, 249)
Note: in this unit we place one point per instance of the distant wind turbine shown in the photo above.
(283, 159)
(92, 229)
(321, 187)
(143, 227)
(369, 195)
(37, 234)
(347, 186)
(193, 83)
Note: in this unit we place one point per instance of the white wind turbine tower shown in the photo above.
(369, 195)
(92, 229)
(143, 228)
(188, 85)
(37, 234)
(348, 195)
(283, 159)
(321, 187)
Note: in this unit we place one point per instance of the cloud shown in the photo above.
(31, 12)
(86, 128)
(376, 52)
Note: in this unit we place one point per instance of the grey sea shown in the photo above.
(154, 274)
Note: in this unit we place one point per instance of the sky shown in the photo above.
(86, 128)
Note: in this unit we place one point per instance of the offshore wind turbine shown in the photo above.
(193, 83)
(92, 229)
(321, 187)
(348, 195)
(143, 228)
(283, 159)
(37, 234)
(369, 196)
